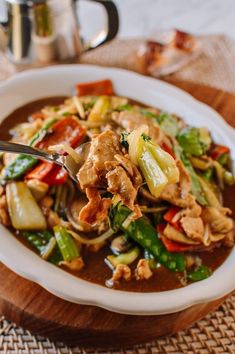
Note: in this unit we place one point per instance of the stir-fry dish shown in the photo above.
(147, 201)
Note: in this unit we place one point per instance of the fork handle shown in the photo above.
(6, 146)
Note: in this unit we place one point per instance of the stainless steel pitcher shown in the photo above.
(48, 30)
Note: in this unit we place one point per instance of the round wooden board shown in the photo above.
(32, 307)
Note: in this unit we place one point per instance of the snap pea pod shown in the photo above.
(143, 233)
(39, 241)
(23, 163)
(199, 273)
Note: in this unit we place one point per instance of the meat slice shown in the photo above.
(193, 227)
(172, 234)
(132, 120)
(119, 183)
(103, 148)
(122, 271)
(172, 194)
(96, 209)
(217, 219)
(143, 270)
(131, 168)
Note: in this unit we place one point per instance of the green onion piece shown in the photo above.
(66, 244)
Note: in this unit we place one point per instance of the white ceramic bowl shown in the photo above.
(60, 80)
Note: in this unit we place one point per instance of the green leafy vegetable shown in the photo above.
(148, 113)
(192, 141)
(168, 124)
(124, 107)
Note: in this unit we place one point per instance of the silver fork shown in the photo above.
(67, 162)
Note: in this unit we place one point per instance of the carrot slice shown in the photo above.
(95, 88)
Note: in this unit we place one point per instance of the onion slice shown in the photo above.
(65, 147)
(93, 241)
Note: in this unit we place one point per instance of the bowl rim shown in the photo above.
(24, 262)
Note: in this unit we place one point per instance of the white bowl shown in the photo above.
(60, 80)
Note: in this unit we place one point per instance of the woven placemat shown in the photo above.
(216, 332)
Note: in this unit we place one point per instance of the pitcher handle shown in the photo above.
(112, 26)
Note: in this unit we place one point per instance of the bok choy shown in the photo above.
(158, 167)
(23, 209)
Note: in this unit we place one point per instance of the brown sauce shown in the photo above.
(95, 270)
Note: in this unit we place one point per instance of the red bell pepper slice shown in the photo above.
(219, 150)
(49, 173)
(96, 88)
(67, 130)
(40, 171)
(56, 176)
(173, 246)
(165, 147)
(169, 216)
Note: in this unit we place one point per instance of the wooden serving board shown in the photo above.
(32, 307)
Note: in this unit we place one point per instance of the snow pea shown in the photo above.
(200, 273)
(39, 241)
(21, 165)
(143, 233)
